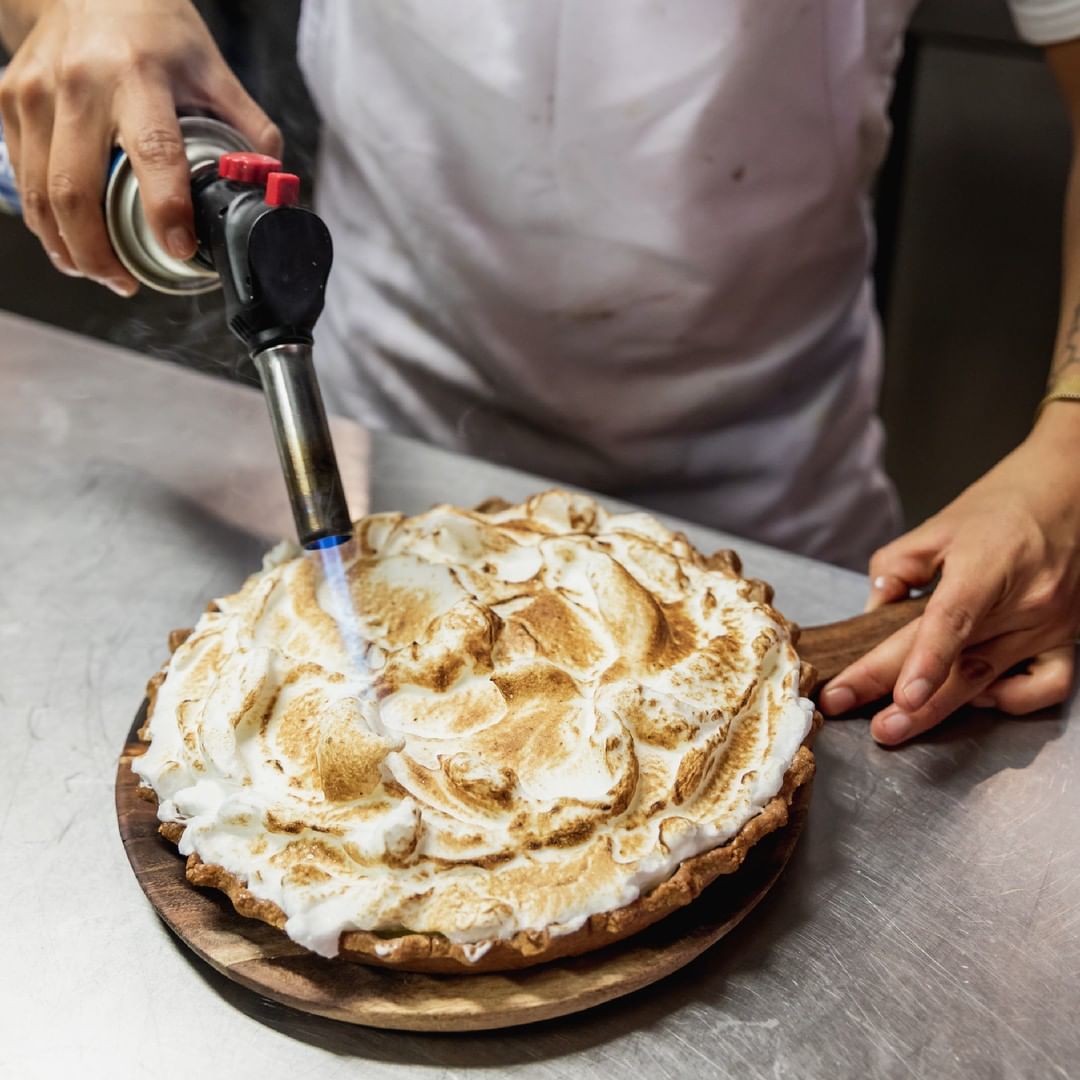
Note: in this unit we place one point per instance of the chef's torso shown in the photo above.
(619, 242)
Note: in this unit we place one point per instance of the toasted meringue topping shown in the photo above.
(556, 707)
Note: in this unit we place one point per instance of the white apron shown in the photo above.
(622, 243)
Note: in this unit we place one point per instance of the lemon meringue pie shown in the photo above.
(546, 727)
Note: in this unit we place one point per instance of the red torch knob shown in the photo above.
(247, 168)
(282, 189)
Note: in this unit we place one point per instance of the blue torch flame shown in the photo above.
(329, 552)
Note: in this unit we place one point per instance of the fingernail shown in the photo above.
(180, 242)
(62, 266)
(880, 582)
(893, 727)
(917, 693)
(838, 699)
(121, 288)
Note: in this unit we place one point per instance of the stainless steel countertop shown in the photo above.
(928, 925)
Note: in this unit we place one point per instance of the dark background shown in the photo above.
(969, 214)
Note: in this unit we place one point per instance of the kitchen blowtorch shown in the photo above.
(271, 257)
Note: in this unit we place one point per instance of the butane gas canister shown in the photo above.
(205, 140)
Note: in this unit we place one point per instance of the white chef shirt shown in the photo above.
(622, 243)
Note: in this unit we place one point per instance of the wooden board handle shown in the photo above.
(832, 647)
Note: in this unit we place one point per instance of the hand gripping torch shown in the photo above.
(273, 257)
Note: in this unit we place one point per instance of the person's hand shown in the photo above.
(95, 72)
(1008, 552)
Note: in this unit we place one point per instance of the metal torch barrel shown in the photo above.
(304, 445)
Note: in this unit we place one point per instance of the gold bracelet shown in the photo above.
(1067, 389)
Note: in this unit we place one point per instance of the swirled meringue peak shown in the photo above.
(552, 708)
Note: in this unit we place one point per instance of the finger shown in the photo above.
(150, 133)
(35, 126)
(886, 589)
(912, 559)
(973, 672)
(1048, 681)
(78, 159)
(958, 605)
(870, 678)
(231, 102)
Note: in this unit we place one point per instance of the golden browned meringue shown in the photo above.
(541, 712)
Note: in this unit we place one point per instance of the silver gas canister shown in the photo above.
(205, 140)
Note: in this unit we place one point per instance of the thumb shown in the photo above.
(232, 103)
(908, 562)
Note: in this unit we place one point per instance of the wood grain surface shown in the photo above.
(264, 960)
(832, 647)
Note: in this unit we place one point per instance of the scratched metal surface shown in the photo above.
(928, 926)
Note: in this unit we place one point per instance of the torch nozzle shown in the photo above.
(303, 441)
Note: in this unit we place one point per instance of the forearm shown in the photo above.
(1064, 61)
(1057, 426)
(17, 18)
(1066, 359)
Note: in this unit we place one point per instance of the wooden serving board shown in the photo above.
(830, 648)
(263, 959)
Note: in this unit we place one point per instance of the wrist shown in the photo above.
(1058, 425)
